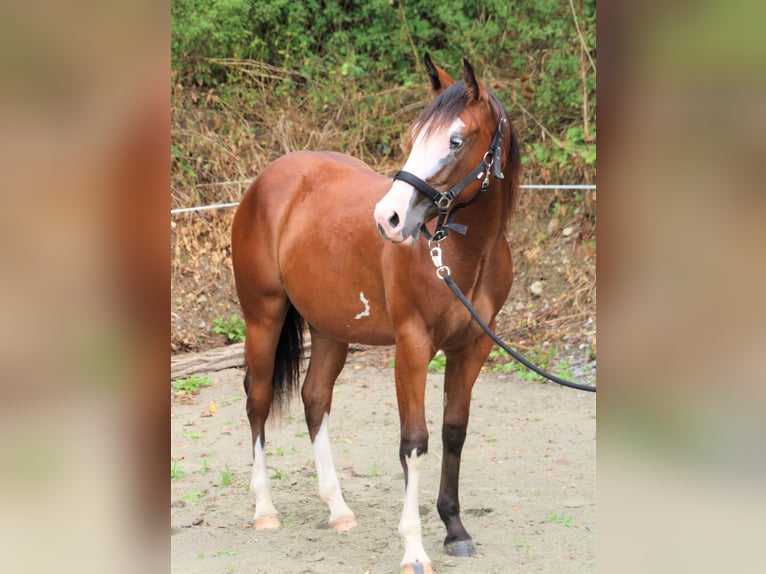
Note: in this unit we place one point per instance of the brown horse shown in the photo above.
(322, 239)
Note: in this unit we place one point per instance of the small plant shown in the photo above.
(225, 552)
(438, 364)
(564, 370)
(193, 435)
(190, 385)
(233, 328)
(278, 475)
(226, 476)
(540, 357)
(373, 470)
(175, 470)
(205, 468)
(194, 495)
(563, 519)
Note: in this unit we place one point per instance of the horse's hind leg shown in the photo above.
(327, 359)
(462, 369)
(262, 337)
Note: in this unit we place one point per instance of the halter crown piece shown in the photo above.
(445, 221)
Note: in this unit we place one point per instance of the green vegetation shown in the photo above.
(194, 495)
(226, 476)
(175, 470)
(438, 364)
(504, 363)
(233, 328)
(338, 55)
(190, 385)
(559, 519)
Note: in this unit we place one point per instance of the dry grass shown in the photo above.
(223, 140)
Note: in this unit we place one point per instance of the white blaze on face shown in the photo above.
(429, 150)
(424, 161)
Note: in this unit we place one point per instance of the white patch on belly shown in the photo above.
(366, 302)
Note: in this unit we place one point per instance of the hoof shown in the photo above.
(267, 522)
(460, 548)
(417, 568)
(343, 523)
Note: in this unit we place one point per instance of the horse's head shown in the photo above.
(449, 141)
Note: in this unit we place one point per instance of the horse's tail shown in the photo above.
(288, 360)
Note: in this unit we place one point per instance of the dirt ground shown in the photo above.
(527, 479)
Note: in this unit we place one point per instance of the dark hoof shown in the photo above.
(460, 548)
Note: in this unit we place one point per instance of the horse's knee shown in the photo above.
(413, 440)
(453, 437)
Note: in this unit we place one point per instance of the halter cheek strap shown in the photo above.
(445, 220)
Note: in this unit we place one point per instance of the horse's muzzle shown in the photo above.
(401, 212)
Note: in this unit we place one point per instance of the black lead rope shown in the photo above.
(520, 358)
(443, 272)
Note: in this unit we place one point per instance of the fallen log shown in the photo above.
(188, 364)
(228, 357)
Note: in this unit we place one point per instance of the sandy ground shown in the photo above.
(527, 479)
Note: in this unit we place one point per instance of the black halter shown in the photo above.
(444, 200)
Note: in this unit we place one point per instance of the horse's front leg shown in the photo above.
(412, 356)
(463, 367)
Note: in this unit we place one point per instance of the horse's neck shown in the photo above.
(485, 219)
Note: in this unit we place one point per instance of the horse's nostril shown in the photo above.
(394, 220)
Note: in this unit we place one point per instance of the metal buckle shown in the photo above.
(442, 270)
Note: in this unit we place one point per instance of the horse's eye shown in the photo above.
(455, 142)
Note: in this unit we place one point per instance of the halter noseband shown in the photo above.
(444, 200)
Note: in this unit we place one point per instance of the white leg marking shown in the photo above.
(329, 487)
(409, 526)
(259, 484)
(366, 302)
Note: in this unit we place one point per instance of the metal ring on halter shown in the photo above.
(442, 272)
(444, 202)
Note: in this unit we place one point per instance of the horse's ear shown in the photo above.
(440, 80)
(476, 91)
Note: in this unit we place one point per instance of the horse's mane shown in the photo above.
(448, 105)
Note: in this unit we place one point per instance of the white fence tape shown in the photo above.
(222, 205)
